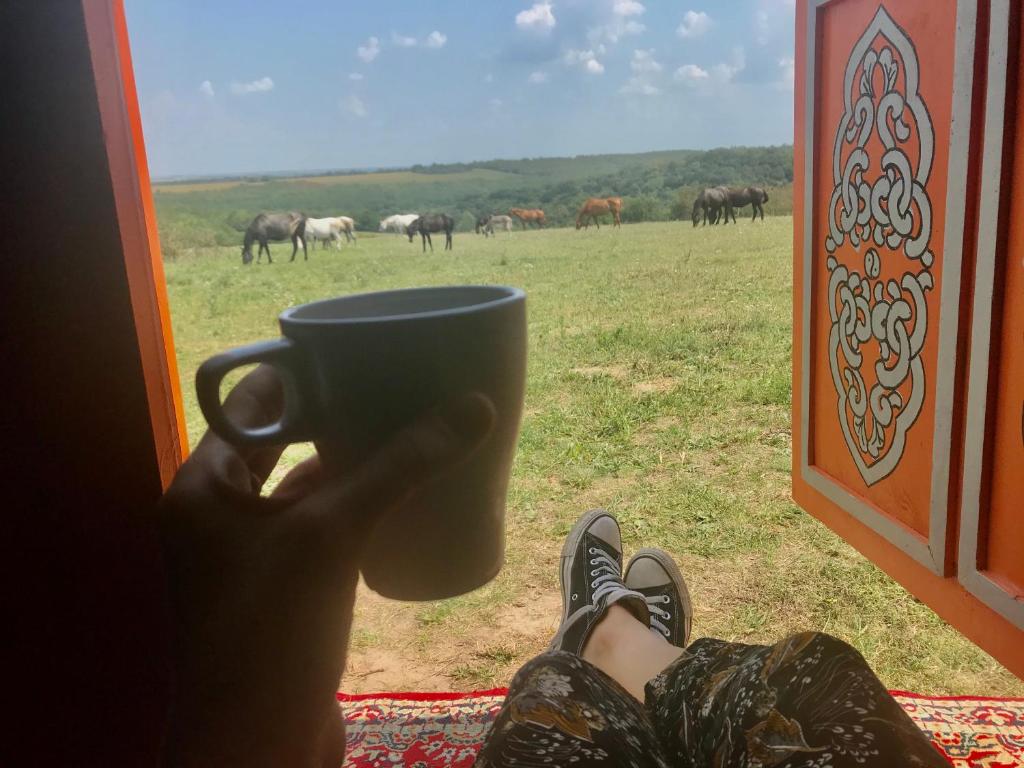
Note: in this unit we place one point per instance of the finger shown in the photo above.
(418, 453)
(301, 480)
(256, 400)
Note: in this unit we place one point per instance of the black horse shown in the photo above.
(277, 227)
(711, 202)
(740, 197)
(434, 222)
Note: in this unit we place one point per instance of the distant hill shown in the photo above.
(654, 185)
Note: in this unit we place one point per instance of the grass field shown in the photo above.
(659, 388)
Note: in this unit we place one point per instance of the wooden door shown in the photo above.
(991, 562)
(890, 123)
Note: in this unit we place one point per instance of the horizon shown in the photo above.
(286, 173)
(224, 89)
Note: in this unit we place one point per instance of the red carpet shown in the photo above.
(446, 729)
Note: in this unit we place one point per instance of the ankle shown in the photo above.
(610, 632)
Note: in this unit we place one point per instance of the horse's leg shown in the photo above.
(295, 246)
(266, 247)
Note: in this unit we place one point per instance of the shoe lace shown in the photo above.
(604, 575)
(657, 613)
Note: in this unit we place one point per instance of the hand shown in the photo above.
(262, 588)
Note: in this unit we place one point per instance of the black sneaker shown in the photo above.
(654, 573)
(592, 580)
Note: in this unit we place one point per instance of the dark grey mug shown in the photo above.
(356, 369)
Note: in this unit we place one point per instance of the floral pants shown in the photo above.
(809, 701)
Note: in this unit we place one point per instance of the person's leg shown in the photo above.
(809, 700)
(561, 711)
(627, 651)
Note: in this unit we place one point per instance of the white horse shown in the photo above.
(497, 222)
(348, 227)
(327, 230)
(398, 223)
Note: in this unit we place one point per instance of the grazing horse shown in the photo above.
(276, 227)
(529, 216)
(398, 223)
(599, 206)
(740, 197)
(325, 230)
(348, 227)
(709, 203)
(487, 224)
(434, 222)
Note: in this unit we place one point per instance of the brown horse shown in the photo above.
(600, 206)
(743, 196)
(529, 216)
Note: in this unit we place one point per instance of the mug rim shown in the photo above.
(510, 294)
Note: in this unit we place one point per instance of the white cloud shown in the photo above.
(619, 23)
(206, 88)
(628, 8)
(538, 77)
(586, 60)
(691, 74)
(727, 70)
(435, 39)
(403, 41)
(256, 86)
(640, 86)
(355, 76)
(356, 106)
(369, 51)
(539, 17)
(643, 61)
(787, 72)
(762, 28)
(694, 24)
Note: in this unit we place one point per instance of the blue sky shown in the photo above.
(231, 86)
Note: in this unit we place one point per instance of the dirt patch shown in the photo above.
(618, 372)
(655, 386)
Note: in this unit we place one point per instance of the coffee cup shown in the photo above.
(356, 370)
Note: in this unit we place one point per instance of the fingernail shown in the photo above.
(469, 417)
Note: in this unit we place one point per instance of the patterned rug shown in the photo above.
(446, 729)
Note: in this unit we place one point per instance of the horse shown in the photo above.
(529, 216)
(348, 227)
(743, 196)
(710, 202)
(276, 227)
(325, 230)
(398, 223)
(486, 224)
(599, 206)
(434, 222)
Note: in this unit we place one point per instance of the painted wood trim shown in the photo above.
(990, 227)
(129, 174)
(930, 552)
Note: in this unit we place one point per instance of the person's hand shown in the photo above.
(262, 588)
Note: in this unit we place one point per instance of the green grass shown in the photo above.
(659, 387)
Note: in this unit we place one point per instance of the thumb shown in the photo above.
(352, 504)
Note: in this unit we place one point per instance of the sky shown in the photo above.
(236, 86)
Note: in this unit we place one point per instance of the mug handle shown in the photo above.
(282, 354)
